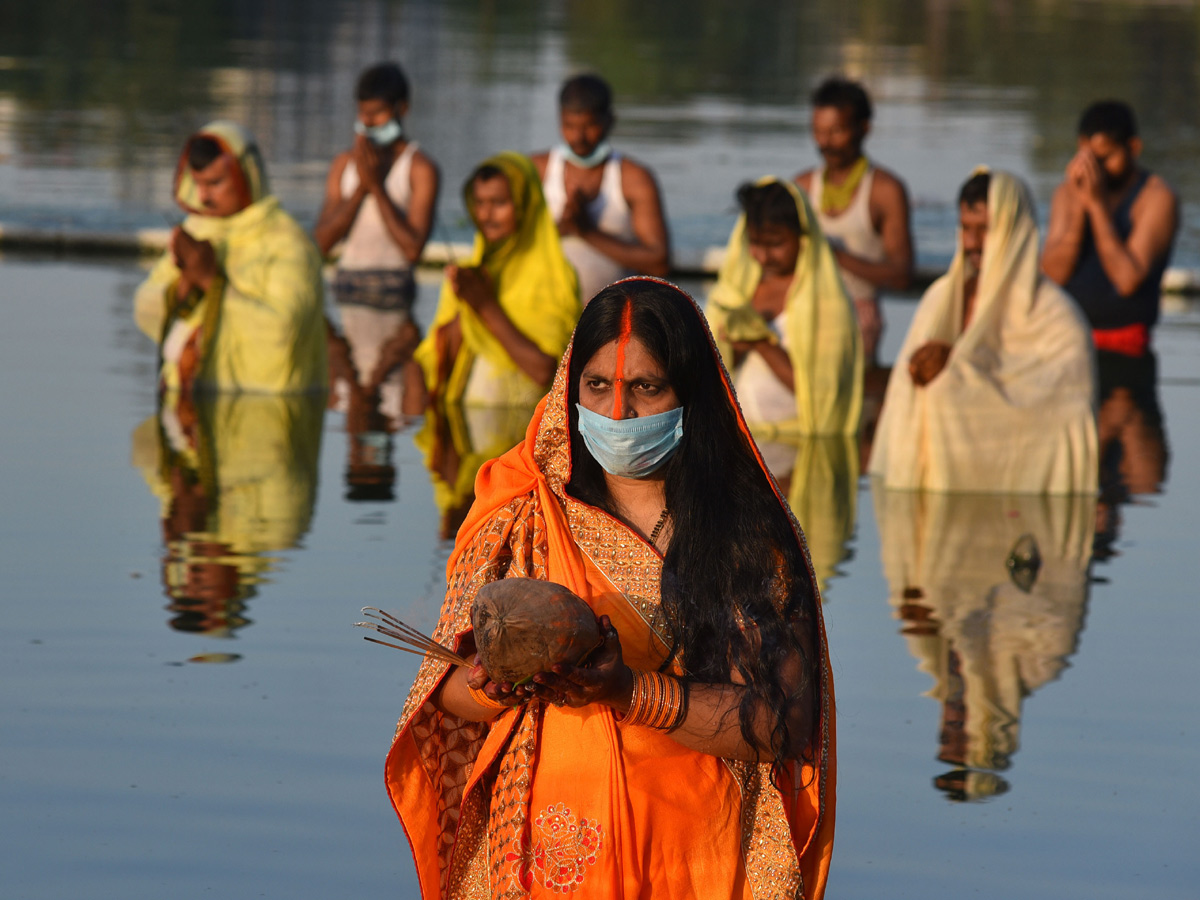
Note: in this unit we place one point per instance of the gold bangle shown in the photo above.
(484, 700)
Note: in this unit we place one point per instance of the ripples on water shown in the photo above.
(187, 711)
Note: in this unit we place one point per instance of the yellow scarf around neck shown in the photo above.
(836, 197)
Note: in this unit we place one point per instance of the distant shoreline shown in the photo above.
(690, 263)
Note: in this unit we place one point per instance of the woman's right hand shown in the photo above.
(506, 693)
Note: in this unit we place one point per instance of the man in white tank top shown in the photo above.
(380, 198)
(608, 207)
(863, 210)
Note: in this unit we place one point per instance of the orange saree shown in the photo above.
(550, 800)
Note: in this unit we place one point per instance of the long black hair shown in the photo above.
(735, 585)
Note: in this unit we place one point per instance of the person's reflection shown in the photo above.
(991, 591)
(236, 475)
(1133, 441)
(819, 477)
(371, 395)
(455, 442)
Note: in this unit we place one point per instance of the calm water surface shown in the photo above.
(186, 716)
(137, 764)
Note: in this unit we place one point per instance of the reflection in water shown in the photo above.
(992, 592)
(819, 477)
(455, 442)
(236, 475)
(371, 403)
(1133, 439)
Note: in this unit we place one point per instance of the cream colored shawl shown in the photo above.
(822, 329)
(1014, 408)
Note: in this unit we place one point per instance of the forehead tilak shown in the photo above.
(622, 343)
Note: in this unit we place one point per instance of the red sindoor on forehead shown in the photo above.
(622, 342)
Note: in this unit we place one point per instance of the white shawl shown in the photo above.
(1014, 408)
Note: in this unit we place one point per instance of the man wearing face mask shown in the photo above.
(380, 198)
(608, 207)
(1112, 228)
(235, 303)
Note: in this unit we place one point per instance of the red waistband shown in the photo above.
(1129, 340)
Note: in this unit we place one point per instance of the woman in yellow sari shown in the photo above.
(505, 316)
(785, 325)
(694, 755)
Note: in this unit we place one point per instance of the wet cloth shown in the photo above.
(261, 325)
(609, 210)
(372, 269)
(547, 800)
(1013, 410)
(822, 338)
(535, 286)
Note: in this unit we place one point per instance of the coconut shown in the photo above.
(524, 626)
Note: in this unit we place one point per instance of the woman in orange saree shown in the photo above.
(723, 787)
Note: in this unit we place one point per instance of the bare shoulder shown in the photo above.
(804, 180)
(632, 169)
(637, 179)
(539, 161)
(423, 166)
(889, 188)
(1157, 197)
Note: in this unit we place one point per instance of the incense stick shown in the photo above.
(411, 640)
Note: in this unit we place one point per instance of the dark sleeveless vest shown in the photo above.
(1095, 294)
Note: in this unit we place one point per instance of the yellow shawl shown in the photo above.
(1013, 410)
(261, 325)
(535, 285)
(824, 343)
(822, 491)
(248, 463)
(546, 800)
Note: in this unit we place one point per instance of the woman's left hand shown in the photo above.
(604, 679)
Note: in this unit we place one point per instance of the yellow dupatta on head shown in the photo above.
(535, 285)
(1013, 409)
(823, 338)
(478, 800)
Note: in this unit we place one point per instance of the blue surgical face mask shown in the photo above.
(602, 152)
(631, 448)
(381, 135)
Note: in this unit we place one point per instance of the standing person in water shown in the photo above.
(784, 324)
(380, 199)
(504, 317)
(694, 754)
(608, 207)
(1112, 227)
(863, 209)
